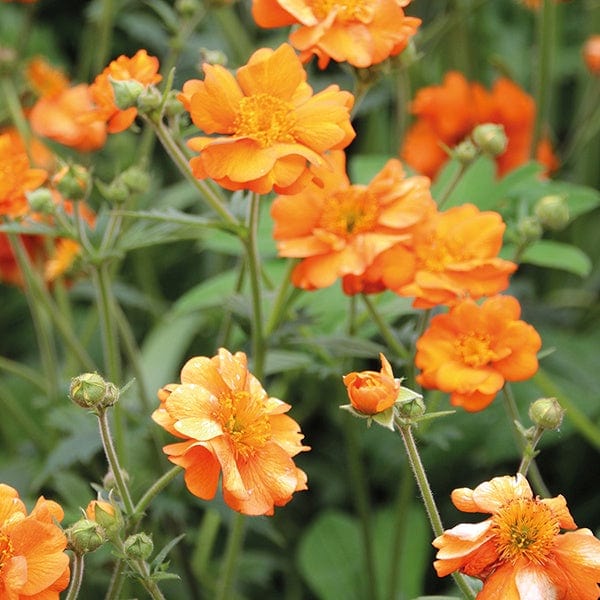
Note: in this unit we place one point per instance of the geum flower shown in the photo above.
(231, 426)
(33, 561)
(474, 349)
(269, 123)
(519, 552)
(455, 256)
(447, 113)
(141, 68)
(360, 32)
(338, 228)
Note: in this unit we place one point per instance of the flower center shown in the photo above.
(346, 10)
(525, 528)
(265, 119)
(474, 348)
(436, 252)
(350, 212)
(6, 550)
(245, 422)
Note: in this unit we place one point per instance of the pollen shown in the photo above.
(474, 348)
(6, 550)
(266, 119)
(347, 10)
(350, 212)
(525, 528)
(436, 252)
(245, 422)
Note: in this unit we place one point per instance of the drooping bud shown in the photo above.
(546, 413)
(490, 138)
(138, 546)
(85, 536)
(90, 390)
(553, 212)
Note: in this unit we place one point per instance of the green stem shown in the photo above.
(77, 569)
(212, 197)
(113, 462)
(20, 370)
(282, 299)
(235, 32)
(149, 584)
(234, 546)
(152, 492)
(580, 420)
(546, 26)
(386, 332)
(104, 41)
(514, 418)
(16, 112)
(116, 582)
(450, 187)
(529, 451)
(427, 496)
(254, 272)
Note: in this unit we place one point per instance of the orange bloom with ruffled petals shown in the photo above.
(362, 33)
(471, 351)
(33, 561)
(16, 178)
(456, 256)
(231, 426)
(591, 54)
(520, 551)
(447, 113)
(269, 123)
(142, 68)
(338, 228)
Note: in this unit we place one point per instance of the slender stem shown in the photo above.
(580, 420)
(149, 584)
(23, 371)
(212, 197)
(282, 299)
(450, 187)
(113, 462)
(234, 546)
(428, 499)
(16, 112)
(529, 451)
(546, 26)
(77, 569)
(253, 258)
(116, 582)
(152, 491)
(388, 335)
(236, 32)
(104, 41)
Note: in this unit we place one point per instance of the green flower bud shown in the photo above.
(138, 546)
(41, 201)
(136, 179)
(85, 536)
(490, 138)
(212, 57)
(90, 390)
(72, 182)
(173, 106)
(411, 409)
(529, 229)
(116, 191)
(126, 92)
(465, 152)
(8, 60)
(149, 99)
(546, 413)
(187, 8)
(553, 212)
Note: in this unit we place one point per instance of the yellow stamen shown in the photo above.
(350, 212)
(265, 119)
(474, 348)
(437, 252)
(346, 10)
(6, 550)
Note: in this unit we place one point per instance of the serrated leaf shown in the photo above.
(158, 560)
(556, 255)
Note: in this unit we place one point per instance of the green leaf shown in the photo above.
(556, 255)
(363, 167)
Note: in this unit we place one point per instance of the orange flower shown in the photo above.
(338, 229)
(44, 78)
(33, 562)
(371, 392)
(269, 121)
(536, 4)
(39, 154)
(9, 269)
(16, 178)
(141, 68)
(229, 424)
(362, 33)
(446, 114)
(472, 350)
(591, 54)
(520, 552)
(455, 254)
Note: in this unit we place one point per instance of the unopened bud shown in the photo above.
(126, 92)
(490, 138)
(105, 514)
(72, 182)
(412, 408)
(90, 390)
(138, 546)
(187, 8)
(529, 229)
(85, 536)
(553, 212)
(546, 413)
(116, 192)
(136, 179)
(173, 106)
(149, 99)
(465, 152)
(41, 201)
(212, 57)
(109, 482)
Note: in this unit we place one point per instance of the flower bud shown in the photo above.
(546, 413)
(126, 92)
(105, 514)
(465, 152)
(72, 182)
(149, 99)
(212, 57)
(553, 212)
(136, 179)
(173, 106)
(529, 229)
(187, 8)
(41, 201)
(90, 390)
(8, 60)
(116, 191)
(412, 408)
(109, 483)
(490, 138)
(591, 54)
(85, 536)
(138, 546)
